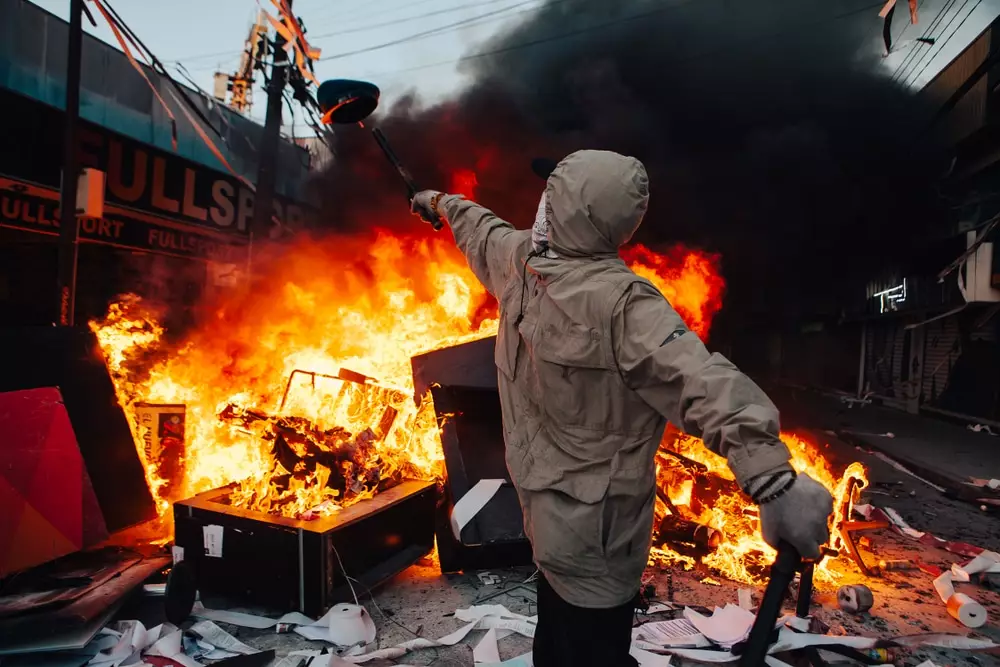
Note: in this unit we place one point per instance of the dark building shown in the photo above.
(176, 217)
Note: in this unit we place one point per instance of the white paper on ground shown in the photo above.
(660, 607)
(678, 632)
(987, 561)
(939, 640)
(520, 661)
(213, 540)
(901, 524)
(248, 620)
(220, 639)
(471, 503)
(725, 626)
(927, 663)
(487, 650)
(791, 641)
(745, 598)
(477, 612)
(943, 586)
(169, 646)
(131, 640)
(485, 617)
(648, 659)
(344, 625)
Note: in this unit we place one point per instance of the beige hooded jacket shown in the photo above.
(592, 363)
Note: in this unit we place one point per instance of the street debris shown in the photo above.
(488, 579)
(855, 599)
(896, 564)
(745, 598)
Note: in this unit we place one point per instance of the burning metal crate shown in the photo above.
(296, 564)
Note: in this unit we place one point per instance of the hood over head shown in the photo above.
(595, 202)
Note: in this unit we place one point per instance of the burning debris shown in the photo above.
(704, 516)
(309, 443)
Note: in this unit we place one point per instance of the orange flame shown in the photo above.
(365, 305)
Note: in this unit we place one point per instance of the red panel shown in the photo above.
(47, 504)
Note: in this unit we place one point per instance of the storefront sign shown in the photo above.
(35, 208)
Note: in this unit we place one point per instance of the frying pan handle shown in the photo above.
(786, 564)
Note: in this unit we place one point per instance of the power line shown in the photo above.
(945, 43)
(900, 73)
(600, 26)
(427, 33)
(310, 37)
(408, 19)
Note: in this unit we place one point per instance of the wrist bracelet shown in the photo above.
(780, 492)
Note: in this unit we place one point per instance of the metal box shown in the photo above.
(463, 382)
(293, 564)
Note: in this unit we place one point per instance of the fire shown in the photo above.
(299, 393)
(685, 466)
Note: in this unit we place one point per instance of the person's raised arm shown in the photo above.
(487, 242)
(705, 395)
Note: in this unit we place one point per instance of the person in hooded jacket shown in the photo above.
(592, 362)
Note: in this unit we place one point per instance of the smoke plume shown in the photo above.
(768, 133)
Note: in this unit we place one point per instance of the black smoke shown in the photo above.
(769, 133)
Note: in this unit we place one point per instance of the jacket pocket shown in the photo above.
(567, 536)
(574, 376)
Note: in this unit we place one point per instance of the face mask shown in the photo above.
(540, 232)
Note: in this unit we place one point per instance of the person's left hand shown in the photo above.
(424, 204)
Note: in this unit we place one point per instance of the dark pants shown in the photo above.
(568, 636)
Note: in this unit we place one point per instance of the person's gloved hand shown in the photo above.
(798, 516)
(424, 204)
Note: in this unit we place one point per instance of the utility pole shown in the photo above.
(68, 229)
(268, 155)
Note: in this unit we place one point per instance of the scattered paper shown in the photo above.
(220, 639)
(900, 523)
(344, 625)
(487, 650)
(471, 503)
(488, 579)
(520, 661)
(745, 598)
(170, 646)
(966, 611)
(213, 540)
(709, 581)
(177, 553)
(648, 659)
(132, 638)
(678, 632)
(987, 561)
(961, 607)
(725, 626)
(248, 620)
(660, 607)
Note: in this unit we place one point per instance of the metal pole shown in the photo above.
(267, 167)
(68, 225)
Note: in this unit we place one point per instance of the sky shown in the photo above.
(205, 36)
